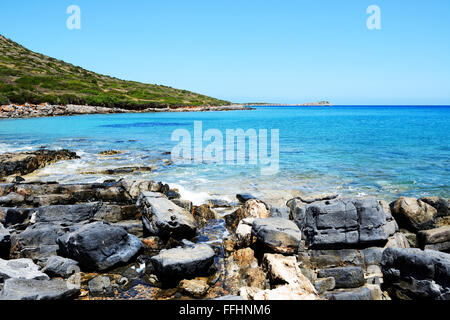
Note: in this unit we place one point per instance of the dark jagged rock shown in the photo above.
(27, 162)
(338, 224)
(183, 263)
(20, 289)
(345, 277)
(13, 216)
(99, 246)
(163, 218)
(243, 198)
(442, 206)
(37, 241)
(416, 274)
(277, 235)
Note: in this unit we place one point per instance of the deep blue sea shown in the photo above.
(381, 151)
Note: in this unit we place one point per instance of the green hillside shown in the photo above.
(26, 76)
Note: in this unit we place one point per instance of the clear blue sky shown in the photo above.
(252, 50)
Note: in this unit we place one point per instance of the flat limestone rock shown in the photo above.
(67, 214)
(434, 236)
(163, 218)
(20, 289)
(184, 263)
(345, 277)
(277, 234)
(21, 269)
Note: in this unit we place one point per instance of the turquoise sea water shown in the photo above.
(381, 151)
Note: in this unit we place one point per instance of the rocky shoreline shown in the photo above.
(13, 111)
(138, 239)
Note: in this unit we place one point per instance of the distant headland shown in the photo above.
(308, 104)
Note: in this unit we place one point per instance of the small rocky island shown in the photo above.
(138, 239)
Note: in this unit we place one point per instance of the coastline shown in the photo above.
(238, 250)
(13, 111)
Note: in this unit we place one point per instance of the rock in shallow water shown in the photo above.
(99, 246)
(179, 263)
(163, 218)
(19, 289)
(277, 234)
(416, 274)
(23, 163)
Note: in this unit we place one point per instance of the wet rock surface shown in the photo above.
(28, 162)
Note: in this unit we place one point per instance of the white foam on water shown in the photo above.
(4, 148)
(197, 198)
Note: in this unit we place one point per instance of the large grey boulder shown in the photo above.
(20, 269)
(337, 224)
(21, 289)
(413, 215)
(277, 235)
(416, 274)
(163, 218)
(345, 277)
(183, 263)
(57, 266)
(99, 246)
(5, 242)
(67, 214)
